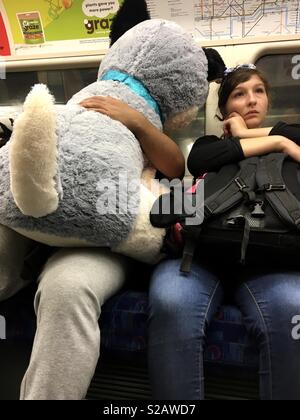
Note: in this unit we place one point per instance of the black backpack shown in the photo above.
(255, 203)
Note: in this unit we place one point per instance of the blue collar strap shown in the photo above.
(135, 85)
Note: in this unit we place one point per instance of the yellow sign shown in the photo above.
(39, 21)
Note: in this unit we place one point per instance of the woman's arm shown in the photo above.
(235, 126)
(262, 145)
(290, 131)
(251, 133)
(163, 153)
(283, 137)
(209, 154)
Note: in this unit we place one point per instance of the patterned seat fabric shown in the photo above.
(124, 328)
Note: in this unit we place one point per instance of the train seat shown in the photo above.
(231, 358)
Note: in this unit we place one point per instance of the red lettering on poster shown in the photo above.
(4, 44)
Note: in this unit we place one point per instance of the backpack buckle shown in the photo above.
(274, 187)
(240, 183)
(248, 194)
(258, 210)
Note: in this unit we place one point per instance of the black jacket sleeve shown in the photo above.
(291, 131)
(209, 153)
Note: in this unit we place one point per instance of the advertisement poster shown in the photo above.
(179, 11)
(40, 23)
(41, 28)
(4, 44)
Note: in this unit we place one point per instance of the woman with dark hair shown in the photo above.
(244, 98)
(181, 307)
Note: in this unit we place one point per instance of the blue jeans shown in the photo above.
(182, 306)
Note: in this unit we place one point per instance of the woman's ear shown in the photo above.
(130, 14)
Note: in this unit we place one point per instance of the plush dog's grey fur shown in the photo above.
(166, 60)
(91, 149)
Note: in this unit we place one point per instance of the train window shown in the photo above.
(62, 83)
(15, 86)
(285, 99)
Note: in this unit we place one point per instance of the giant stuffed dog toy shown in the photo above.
(73, 177)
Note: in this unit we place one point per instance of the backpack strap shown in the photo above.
(191, 235)
(240, 187)
(269, 179)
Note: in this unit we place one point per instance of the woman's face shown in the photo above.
(250, 100)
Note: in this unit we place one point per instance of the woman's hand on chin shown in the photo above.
(235, 126)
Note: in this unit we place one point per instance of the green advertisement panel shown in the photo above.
(39, 21)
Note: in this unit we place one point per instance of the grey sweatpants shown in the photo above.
(73, 286)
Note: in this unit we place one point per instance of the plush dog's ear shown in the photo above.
(216, 65)
(130, 14)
